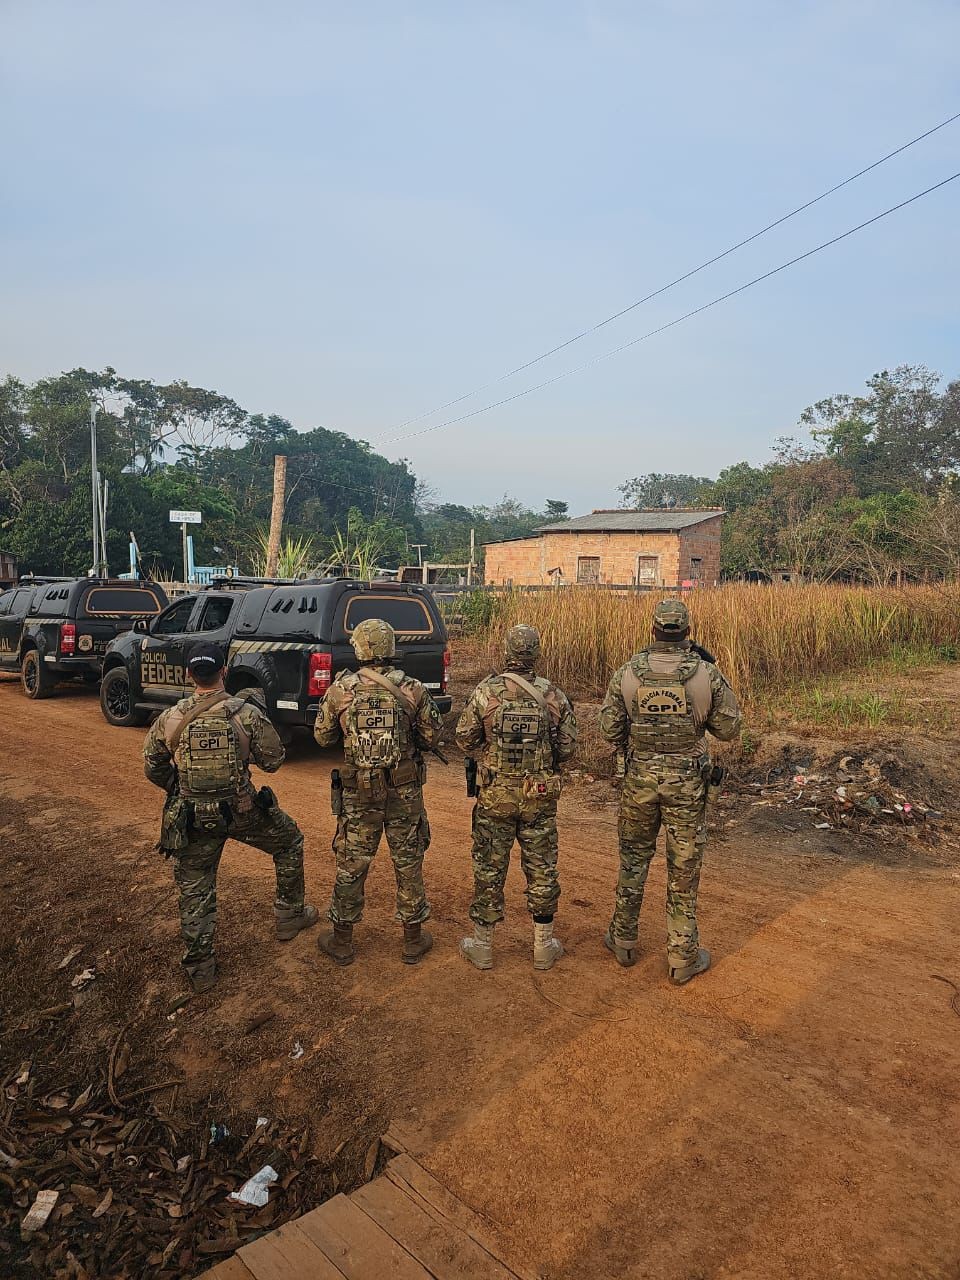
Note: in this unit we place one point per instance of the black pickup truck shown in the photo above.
(54, 629)
(288, 638)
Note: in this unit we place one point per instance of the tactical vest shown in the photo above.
(518, 730)
(211, 751)
(667, 710)
(376, 727)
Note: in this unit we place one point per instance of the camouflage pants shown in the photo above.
(671, 793)
(398, 813)
(195, 871)
(500, 817)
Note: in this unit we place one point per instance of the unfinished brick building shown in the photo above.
(662, 548)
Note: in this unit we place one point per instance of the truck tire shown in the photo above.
(35, 679)
(116, 701)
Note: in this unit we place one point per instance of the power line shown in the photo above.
(679, 280)
(679, 319)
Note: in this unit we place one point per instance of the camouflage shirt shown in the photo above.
(473, 727)
(722, 720)
(266, 749)
(422, 712)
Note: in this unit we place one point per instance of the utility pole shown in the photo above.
(95, 487)
(103, 568)
(473, 555)
(276, 513)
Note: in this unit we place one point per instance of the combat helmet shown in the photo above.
(522, 644)
(373, 640)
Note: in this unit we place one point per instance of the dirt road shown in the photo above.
(792, 1114)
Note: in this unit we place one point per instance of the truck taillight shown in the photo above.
(446, 671)
(321, 674)
(68, 638)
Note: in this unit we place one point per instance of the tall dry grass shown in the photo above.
(764, 637)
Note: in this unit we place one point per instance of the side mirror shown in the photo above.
(142, 626)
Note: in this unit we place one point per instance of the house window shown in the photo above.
(588, 570)
(648, 571)
(696, 567)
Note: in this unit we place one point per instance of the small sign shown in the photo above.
(185, 517)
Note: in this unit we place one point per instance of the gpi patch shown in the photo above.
(520, 726)
(662, 700)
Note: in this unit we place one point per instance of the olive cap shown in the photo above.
(671, 615)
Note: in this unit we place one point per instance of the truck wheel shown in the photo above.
(116, 701)
(35, 680)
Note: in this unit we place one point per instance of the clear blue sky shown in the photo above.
(347, 214)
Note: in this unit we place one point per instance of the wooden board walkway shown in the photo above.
(404, 1225)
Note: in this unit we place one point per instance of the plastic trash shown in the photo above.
(256, 1190)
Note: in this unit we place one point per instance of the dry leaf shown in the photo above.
(71, 955)
(104, 1204)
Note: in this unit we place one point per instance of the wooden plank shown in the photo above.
(433, 1196)
(447, 1252)
(355, 1244)
(231, 1269)
(401, 1139)
(287, 1254)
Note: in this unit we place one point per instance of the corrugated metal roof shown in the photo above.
(661, 521)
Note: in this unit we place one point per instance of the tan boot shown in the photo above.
(203, 976)
(681, 973)
(624, 952)
(479, 949)
(290, 921)
(547, 949)
(417, 941)
(337, 943)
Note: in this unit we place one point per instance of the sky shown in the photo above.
(351, 214)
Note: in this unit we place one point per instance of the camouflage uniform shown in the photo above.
(195, 826)
(379, 800)
(674, 696)
(519, 787)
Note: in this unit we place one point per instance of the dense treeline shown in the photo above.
(177, 446)
(874, 497)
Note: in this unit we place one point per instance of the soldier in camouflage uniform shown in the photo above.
(657, 708)
(386, 720)
(199, 752)
(521, 728)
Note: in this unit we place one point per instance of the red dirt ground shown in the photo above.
(794, 1113)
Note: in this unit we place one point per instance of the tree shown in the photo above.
(664, 490)
(556, 511)
(901, 434)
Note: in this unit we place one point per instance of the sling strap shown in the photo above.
(405, 699)
(527, 687)
(206, 702)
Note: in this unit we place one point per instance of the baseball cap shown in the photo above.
(671, 615)
(205, 660)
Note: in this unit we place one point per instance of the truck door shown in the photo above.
(163, 653)
(13, 608)
(213, 618)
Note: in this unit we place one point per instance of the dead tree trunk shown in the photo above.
(276, 513)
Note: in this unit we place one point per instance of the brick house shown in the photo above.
(662, 548)
(8, 569)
